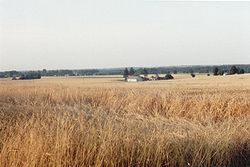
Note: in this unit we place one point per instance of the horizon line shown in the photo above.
(106, 68)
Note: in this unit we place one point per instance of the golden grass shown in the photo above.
(202, 121)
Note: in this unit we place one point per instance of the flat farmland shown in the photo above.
(104, 121)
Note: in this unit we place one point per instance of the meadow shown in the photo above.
(80, 121)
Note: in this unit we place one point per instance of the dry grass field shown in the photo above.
(75, 121)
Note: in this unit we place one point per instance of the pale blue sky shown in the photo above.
(76, 34)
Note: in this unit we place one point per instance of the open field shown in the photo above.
(75, 121)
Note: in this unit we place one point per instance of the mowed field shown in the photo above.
(80, 121)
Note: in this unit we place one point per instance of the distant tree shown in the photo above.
(238, 70)
(30, 75)
(131, 71)
(241, 71)
(221, 72)
(191, 71)
(125, 73)
(233, 70)
(39, 76)
(2, 75)
(247, 70)
(44, 72)
(175, 71)
(216, 71)
(145, 72)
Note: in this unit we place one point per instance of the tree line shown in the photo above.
(233, 70)
(220, 70)
(216, 71)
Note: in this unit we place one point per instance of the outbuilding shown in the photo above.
(135, 79)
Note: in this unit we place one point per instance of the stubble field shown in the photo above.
(76, 121)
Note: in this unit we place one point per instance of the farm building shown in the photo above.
(143, 78)
(153, 78)
(135, 79)
(168, 76)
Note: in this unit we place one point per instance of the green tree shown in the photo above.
(216, 71)
(221, 72)
(131, 71)
(234, 70)
(126, 73)
(241, 71)
(145, 72)
(44, 72)
(191, 70)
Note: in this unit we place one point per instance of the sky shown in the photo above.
(79, 34)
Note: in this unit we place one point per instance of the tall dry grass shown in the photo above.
(105, 122)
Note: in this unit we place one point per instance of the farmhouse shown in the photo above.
(143, 78)
(134, 79)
